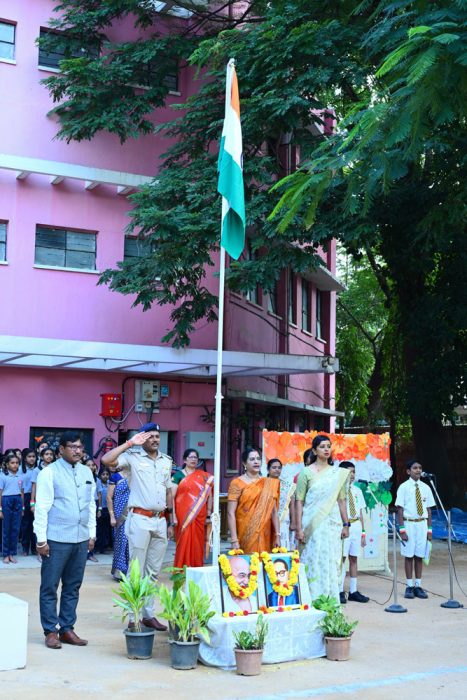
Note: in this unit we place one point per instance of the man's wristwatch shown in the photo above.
(345, 524)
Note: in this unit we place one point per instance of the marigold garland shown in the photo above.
(237, 590)
(287, 588)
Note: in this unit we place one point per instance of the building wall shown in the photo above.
(54, 303)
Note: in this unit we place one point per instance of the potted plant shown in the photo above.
(327, 604)
(188, 613)
(337, 632)
(133, 593)
(249, 648)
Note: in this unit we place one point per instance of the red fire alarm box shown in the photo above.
(111, 405)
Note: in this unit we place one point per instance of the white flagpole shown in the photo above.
(216, 530)
(215, 518)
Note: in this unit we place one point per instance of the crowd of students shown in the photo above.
(18, 477)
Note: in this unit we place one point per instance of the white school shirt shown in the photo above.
(406, 498)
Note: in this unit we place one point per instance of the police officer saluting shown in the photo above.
(150, 501)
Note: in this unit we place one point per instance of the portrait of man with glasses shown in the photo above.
(65, 527)
(282, 566)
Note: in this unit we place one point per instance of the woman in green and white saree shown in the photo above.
(322, 521)
(285, 510)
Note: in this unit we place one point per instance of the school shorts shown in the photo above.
(352, 543)
(416, 543)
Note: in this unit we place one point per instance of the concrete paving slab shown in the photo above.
(417, 655)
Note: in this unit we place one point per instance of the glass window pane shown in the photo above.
(2, 251)
(7, 50)
(81, 261)
(50, 237)
(2, 231)
(50, 256)
(81, 242)
(7, 32)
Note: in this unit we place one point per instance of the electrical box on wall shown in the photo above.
(147, 394)
(111, 405)
(202, 442)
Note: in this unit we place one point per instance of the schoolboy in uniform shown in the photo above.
(414, 502)
(356, 539)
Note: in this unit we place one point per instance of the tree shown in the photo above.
(396, 172)
(361, 323)
(387, 183)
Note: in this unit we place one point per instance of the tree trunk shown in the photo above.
(431, 451)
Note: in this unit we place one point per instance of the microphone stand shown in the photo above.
(395, 607)
(451, 603)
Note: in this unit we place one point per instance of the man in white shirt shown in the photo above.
(414, 501)
(150, 499)
(65, 527)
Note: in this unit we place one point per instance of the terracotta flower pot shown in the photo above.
(337, 648)
(248, 661)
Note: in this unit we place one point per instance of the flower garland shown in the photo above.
(280, 588)
(237, 590)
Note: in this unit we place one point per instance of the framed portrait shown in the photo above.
(282, 565)
(239, 565)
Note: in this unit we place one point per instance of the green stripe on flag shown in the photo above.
(230, 186)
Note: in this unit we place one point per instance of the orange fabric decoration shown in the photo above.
(289, 447)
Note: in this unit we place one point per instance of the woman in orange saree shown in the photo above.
(193, 505)
(252, 508)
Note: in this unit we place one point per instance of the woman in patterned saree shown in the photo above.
(286, 509)
(192, 489)
(322, 520)
(120, 511)
(252, 507)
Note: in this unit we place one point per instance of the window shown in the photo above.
(147, 76)
(64, 47)
(3, 225)
(252, 294)
(57, 247)
(292, 298)
(273, 300)
(135, 248)
(306, 305)
(7, 40)
(319, 314)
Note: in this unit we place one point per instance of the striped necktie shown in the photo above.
(352, 509)
(418, 500)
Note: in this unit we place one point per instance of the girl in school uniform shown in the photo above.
(12, 507)
(28, 539)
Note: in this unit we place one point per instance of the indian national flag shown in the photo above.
(230, 167)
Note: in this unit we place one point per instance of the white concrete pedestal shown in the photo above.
(13, 632)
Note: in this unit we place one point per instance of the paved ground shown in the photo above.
(412, 656)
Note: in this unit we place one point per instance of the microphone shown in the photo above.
(427, 475)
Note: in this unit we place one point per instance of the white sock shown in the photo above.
(410, 583)
(343, 580)
(418, 582)
(353, 585)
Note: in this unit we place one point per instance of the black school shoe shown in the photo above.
(419, 592)
(358, 597)
(342, 598)
(409, 592)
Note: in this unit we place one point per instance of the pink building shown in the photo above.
(64, 340)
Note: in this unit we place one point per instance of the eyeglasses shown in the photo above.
(75, 448)
(282, 572)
